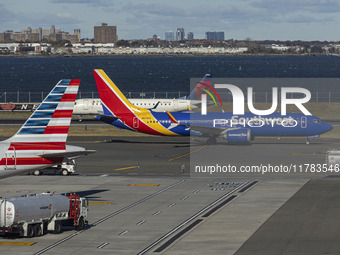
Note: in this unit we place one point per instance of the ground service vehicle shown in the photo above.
(333, 159)
(36, 214)
(65, 168)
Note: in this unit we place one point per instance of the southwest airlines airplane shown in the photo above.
(41, 141)
(88, 106)
(121, 113)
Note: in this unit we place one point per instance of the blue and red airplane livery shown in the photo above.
(118, 111)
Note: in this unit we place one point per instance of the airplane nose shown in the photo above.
(327, 127)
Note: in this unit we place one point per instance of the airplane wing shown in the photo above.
(102, 115)
(68, 155)
(203, 130)
(208, 130)
(112, 118)
(107, 118)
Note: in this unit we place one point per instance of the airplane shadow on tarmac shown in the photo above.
(89, 194)
(148, 142)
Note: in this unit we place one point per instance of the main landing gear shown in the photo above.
(307, 141)
(211, 140)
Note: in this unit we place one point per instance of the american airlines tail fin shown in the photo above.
(113, 100)
(51, 121)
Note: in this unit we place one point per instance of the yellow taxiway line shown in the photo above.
(17, 243)
(124, 168)
(316, 155)
(188, 153)
(145, 185)
(100, 203)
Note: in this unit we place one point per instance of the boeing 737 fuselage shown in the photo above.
(121, 113)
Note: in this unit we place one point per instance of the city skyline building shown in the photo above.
(38, 31)
(214, 36)
(169, 36)
(105, 34)
(38, 34)
(190, 36)
(180, 35)
(102, 34)
(77, 32)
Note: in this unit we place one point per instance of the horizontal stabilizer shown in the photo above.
(113, 118)
(69, 155)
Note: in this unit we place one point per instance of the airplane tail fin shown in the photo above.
(204, 87)
(51, 121)
(196, 93)
(113, 100)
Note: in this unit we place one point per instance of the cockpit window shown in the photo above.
(317, 121)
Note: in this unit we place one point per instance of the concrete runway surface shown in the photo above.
(143, 200)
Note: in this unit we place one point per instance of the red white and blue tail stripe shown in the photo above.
(51, 121)
(41, 140)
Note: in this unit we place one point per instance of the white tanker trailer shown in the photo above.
(35, 214)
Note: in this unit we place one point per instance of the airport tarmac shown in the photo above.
(143, 201)
(176, 156)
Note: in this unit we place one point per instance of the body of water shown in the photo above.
(156, 73)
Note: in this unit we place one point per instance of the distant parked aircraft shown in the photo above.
(192, 101)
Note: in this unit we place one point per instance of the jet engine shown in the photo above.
(241, 135)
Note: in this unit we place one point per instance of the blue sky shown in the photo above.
(256, 19)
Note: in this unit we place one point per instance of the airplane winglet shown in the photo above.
(173, 120)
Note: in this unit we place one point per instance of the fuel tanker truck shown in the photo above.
(36, 214)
